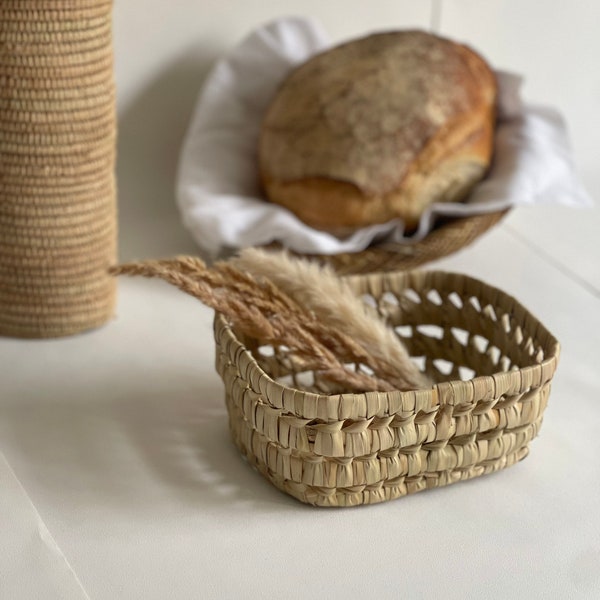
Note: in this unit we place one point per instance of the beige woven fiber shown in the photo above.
(57, 155)
(492, 362)
(445, 239)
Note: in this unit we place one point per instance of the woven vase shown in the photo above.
(57, 154)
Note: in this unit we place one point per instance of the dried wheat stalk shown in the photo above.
(263, 311)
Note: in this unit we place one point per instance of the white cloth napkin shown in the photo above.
(218, 191)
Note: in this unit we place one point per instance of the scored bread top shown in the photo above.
(363, 111)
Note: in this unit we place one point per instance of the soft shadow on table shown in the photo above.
(185, 441)
(151, 131)
(136, 440)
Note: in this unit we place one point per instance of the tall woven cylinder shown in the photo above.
(57, 154)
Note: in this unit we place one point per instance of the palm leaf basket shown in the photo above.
(492, 362)
(449, 236)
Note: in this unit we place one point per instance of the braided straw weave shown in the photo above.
(493, 363)
(57, 152)
(447, 238)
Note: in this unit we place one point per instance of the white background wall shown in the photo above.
(164, 50)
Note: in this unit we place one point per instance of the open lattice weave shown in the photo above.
(492, 361)
(57, 150)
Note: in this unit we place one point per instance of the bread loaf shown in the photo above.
(379, 128)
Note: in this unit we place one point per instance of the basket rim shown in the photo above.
(373, 403)
(452, 235)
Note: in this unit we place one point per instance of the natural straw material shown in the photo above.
(57, 153)
(446, 238)
(493, 363)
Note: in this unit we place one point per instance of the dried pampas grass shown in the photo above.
(320, 290)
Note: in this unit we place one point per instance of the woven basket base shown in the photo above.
(44, 327)
(381, 492)
(382, 479)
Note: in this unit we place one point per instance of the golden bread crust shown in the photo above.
(379, 128)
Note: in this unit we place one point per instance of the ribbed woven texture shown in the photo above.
(445, 239)
(57, 153)
(493, 363)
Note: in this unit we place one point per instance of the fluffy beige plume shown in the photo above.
(320, 290)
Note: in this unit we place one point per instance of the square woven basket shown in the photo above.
(492, 362)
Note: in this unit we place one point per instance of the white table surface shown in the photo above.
(118, 478)
(119, 438)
